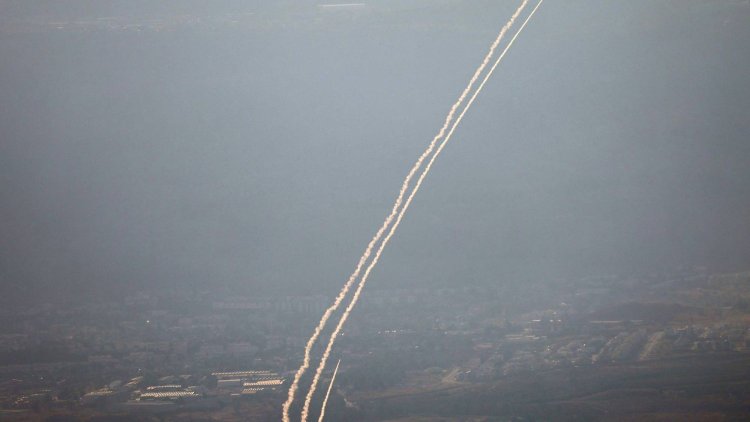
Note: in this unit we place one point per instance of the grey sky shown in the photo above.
(265, 155)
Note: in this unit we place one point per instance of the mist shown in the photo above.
(188, 189)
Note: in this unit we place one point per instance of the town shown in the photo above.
(203, 352)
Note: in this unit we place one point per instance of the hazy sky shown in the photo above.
(264, 154)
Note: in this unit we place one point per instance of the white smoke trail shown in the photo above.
(405, 185)
(328, 393)
(374, 261)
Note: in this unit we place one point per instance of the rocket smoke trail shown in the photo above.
(374, 261)
(328, 393)
(368, 251)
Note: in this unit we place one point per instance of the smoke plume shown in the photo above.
(404, 187)
(374, 262)
(328, 393)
